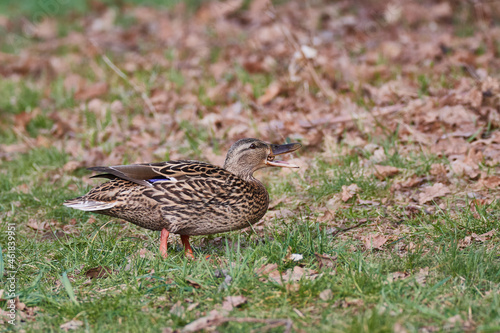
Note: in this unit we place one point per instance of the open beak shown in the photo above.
(280, 150)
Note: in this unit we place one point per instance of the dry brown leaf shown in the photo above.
(465, 169)
(23, 119)
(372, 242)
(93, 91)
(204, 322)
(266, 269)
(325, 260)
(467, 241)
(271, 92)
(435, 191)
(412, 181)
(294, 275)
(384, 171)
(71, 325)
(326, 295)
(145, 253)
(490, 182)
(463, 243)
(71, 166)
(231, 302)
(399, 328)
(421, 276)
(23, 188)
(39, 225)
(349, 191)
(177, 309)
(46, 29)
(397, 276)
(99, 272)
(192, 282)
(348, 302)
(438, 170)
(73, 82)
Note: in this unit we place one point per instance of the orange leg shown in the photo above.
(187, 246)
(163, 242)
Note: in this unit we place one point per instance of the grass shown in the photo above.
(149, 293)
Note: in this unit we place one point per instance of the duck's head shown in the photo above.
(249, 155)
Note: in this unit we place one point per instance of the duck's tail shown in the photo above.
(89, 205)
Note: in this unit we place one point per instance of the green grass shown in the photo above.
(142, 291)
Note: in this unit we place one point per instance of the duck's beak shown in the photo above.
(280, 150)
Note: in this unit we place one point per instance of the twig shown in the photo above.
(363, 221)
(24, 138)
(219, 320)
(309, 66)
(124, 76)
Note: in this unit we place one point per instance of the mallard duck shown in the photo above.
(188, 198)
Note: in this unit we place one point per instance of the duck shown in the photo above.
(187, 197)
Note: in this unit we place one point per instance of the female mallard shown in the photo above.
(188, 197)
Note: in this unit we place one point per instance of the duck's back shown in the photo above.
(184, 197)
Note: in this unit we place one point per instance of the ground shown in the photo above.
(390, 225)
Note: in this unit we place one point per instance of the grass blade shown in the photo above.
(2, 267)
(68, 287)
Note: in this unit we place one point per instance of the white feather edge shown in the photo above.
(90, 205)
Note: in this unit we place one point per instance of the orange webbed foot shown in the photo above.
(187, 246)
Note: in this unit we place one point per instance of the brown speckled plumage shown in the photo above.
(188, 197)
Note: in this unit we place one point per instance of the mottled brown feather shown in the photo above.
(194, 198)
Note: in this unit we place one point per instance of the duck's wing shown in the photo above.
(164, 173)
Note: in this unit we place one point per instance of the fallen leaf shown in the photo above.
(192, 306)
(71, 166)
(39, 225)
(71, 325)
(421, 276)
(266, 269)
(438, 170)
(349, 191)
(205, 322)
(177, 309)
(384, 171)
(430, 193)
(99, 272)
(490, 182)
(412, 181)
(23, 188)
(325, 260)
(231, 302)
(92, 91)
(192, 282)
(145, 253)
(488, 235)
(348, 302)
(294, 275)
(460, 169)
(399, 328)
(374, 241)
(271, 92)
(326, 295)
(467, 240)
(397, 276)
(455, 319)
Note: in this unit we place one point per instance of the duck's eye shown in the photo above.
(253, 146)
